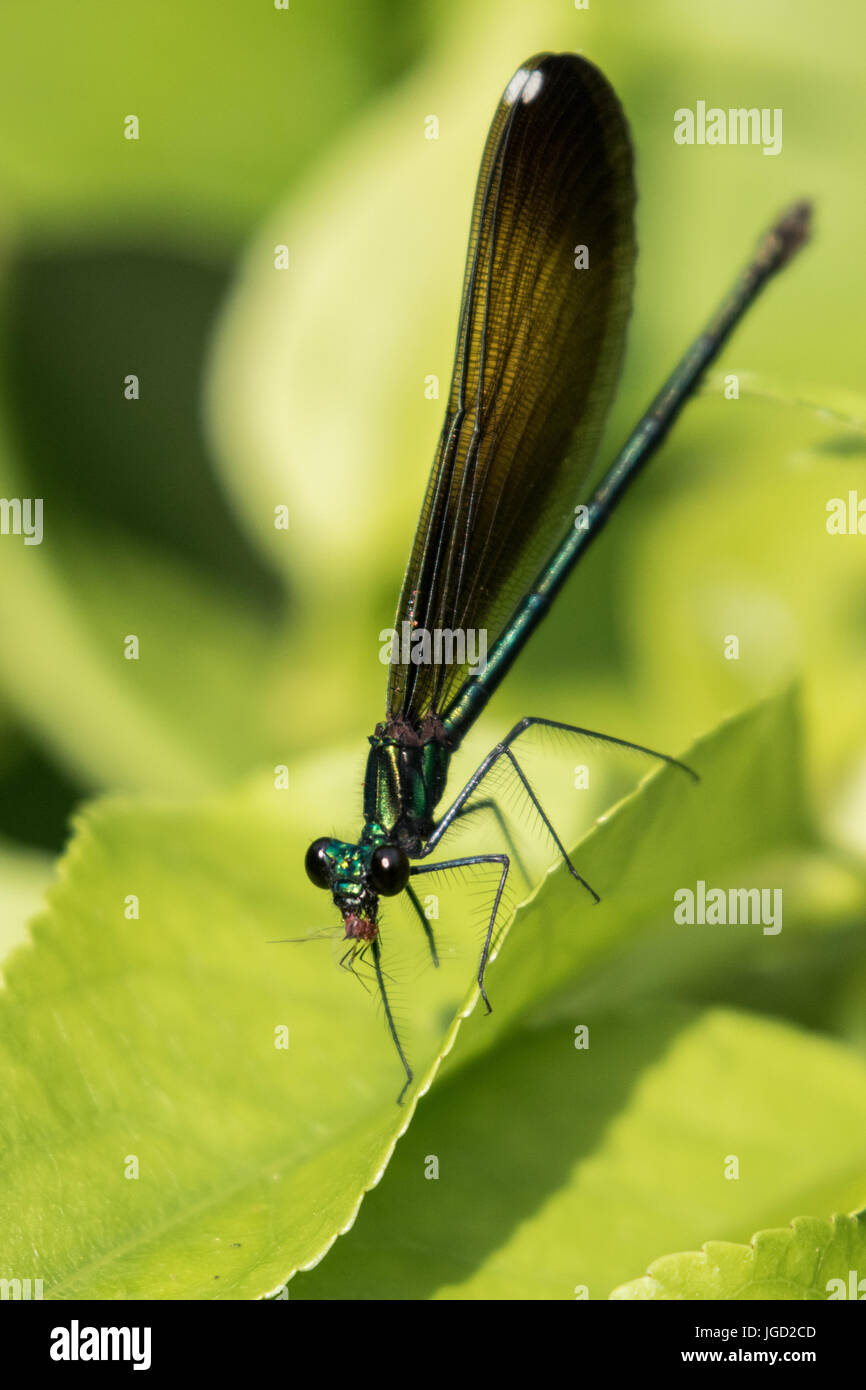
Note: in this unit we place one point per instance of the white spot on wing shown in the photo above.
(515, 86)
(533, 86)
(524, 83)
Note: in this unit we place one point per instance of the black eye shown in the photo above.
(389, 870)
(316, 864)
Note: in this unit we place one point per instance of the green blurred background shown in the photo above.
(305, 388)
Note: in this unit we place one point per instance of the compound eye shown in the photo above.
(316, 864)
(389, 870)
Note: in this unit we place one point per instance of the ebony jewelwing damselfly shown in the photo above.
(539, 348)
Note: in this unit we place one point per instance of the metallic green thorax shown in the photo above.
(402, 786)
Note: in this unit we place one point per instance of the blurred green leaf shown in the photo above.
(755, 562)
(233, 101)
(138, 538)
(36, 798)
(812, 1260)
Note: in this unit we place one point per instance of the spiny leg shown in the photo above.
(377, 964)
(488, 804)
(528, 720)
(428, 930)
(549, 824)
(501, 859)
(502, 749)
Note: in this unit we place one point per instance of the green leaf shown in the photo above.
(669, 837)
(811, 1260)
(154, 1038)
(24, 876)
(560, 1169)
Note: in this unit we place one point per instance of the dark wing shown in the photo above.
(539, 350)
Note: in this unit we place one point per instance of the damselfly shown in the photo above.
(541, 334)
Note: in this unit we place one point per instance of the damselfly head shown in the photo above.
(357, 876)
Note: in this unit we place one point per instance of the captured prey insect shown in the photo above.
(540, 343)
